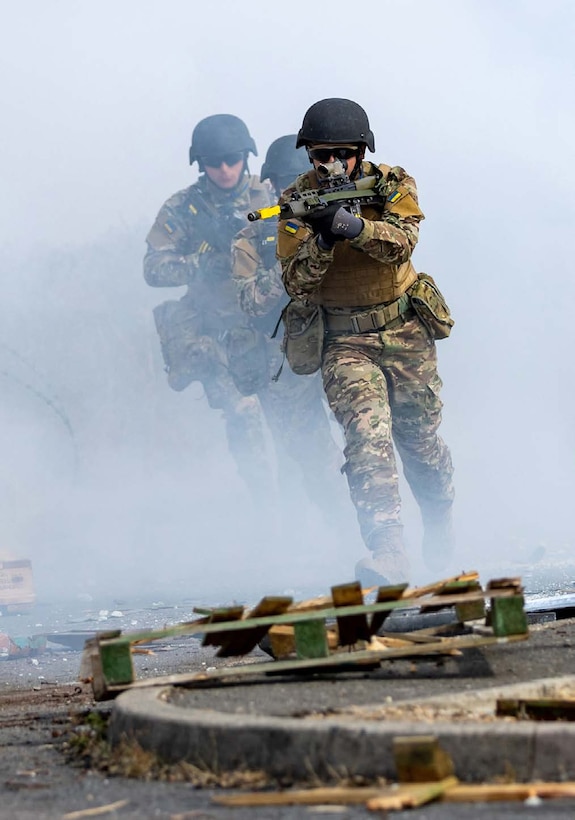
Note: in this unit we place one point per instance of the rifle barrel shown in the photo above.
(264, 213)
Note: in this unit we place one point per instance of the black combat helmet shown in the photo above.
(336, 121)
(283, 159)
(219, 135)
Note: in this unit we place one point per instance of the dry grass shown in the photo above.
(87, 746)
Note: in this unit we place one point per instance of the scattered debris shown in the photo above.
(95, 811)
(21, 647)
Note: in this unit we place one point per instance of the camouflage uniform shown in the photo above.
(382, 384)
(188, 247)
(292, 404)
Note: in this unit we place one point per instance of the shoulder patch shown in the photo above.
(291, 227)
(401, 203)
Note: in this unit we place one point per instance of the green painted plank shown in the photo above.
(200, 626)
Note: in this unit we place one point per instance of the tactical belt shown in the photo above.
(384, 317)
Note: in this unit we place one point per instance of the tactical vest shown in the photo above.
(354, 278)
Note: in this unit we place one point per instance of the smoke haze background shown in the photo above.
(111, 482)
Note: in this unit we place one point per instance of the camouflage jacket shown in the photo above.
(257, 273)
(390, 239)
(190, 242)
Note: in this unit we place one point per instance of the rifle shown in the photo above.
(335, 186)
(216, 226)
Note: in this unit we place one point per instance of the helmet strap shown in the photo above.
(357, 171)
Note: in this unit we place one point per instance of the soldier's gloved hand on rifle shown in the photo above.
(334, 224)
(215, 266)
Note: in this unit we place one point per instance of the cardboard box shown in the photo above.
(16, 585)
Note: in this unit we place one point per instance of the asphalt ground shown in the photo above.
(39, 697)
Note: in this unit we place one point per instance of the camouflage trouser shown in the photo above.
(299, 425)
(383, 388)
(244, 429)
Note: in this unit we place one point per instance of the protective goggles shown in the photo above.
(218, 160)
(336, 151)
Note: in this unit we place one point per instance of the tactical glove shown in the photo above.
(320, 222)
(215, 266)
(346, 225)
(334, 224)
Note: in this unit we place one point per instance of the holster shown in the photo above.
(188, 354)
(304, 336)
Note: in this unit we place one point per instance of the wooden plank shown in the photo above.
(384, 595)
(412, 795)
(510, 583)
(437, 586)
(420, 759)
(408, 637)
(323, 796)
(471, 608)
(282, 640)
(312, 604)
(225, 615)
(536, 708)
(351, 628)
(352, 661)
(201, 627)
(499, 792)
(243, 641)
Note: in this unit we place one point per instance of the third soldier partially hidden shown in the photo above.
(381, 320)
(293, 405)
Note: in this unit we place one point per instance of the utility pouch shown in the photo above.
(304, 336)
(431, 307)
(247, 359)
(188, 354)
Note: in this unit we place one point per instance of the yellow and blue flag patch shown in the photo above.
(291, 227)
(394, 196)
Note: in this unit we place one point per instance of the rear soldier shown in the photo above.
(190, 244)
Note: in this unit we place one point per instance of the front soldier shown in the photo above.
(379, 359)
(190, 244)
(293, 405)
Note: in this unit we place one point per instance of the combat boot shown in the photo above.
(388, 563)
(438, 537)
